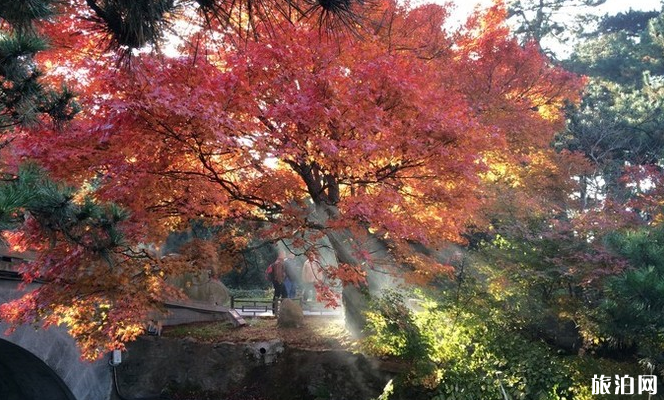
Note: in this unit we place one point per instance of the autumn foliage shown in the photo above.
(392, 135)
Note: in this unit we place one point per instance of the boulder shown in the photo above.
(203, 288)
(215, 292)
(561, 333)
(290, 315)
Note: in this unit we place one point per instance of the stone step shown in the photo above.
(236, 319)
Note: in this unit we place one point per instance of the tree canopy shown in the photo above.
(389, 133)
(517, 197)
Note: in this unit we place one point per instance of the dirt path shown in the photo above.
(318, 333)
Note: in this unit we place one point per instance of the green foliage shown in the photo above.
(583, 369)
(643, 248)
(249, 273)
(133, 24)
(656, 30)
(21, 14)
(541, 21)
(259, 294)
(475, 351)
(620, 57)
(21, 91)
(631, 22)
(618, 123)
(61, 106)
(536, 272)
(482, 356)
(57, 210)
(15, 46)
(465, 353)
(631, 313)
(393, 330)
(23, 99)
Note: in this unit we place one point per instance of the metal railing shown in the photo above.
(255, 306)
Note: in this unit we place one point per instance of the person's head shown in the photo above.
(311, 256)
(281, 253)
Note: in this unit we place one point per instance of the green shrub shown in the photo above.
(630, 314)
(464, 355)
(392, 329)
(252, 293)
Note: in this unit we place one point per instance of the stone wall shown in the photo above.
(263, 370)
(86, 381)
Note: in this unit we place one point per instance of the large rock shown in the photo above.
(290, 314)
(560, 332)
(203, 288)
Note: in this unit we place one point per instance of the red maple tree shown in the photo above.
(390, 136)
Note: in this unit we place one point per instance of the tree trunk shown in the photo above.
(356, 299)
